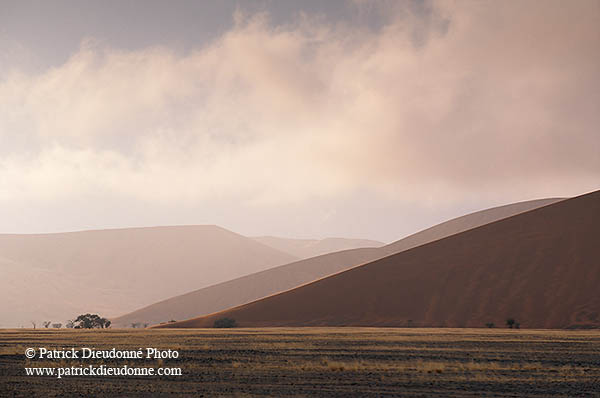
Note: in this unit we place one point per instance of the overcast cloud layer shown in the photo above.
(471, 103)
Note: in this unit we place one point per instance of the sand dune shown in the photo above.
(307, 248)
(464, 223)
(252, 287)
(540, 267)
(246, 289)
(57, 276)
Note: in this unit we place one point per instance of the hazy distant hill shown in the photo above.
(57, 276)
(307, 248)
(252, 287)
(541, 267)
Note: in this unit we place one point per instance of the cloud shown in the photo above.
(474, 98)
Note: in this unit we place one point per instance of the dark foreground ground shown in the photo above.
(317, 362)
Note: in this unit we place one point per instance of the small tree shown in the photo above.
(33, 324)
(70, 324)
(46, 324)
(91, 321)
(225, 323)
(510, 322)
(57, 325)
(490, 325)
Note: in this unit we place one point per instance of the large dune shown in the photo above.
(245, 289)
(252, 287)
(307, 248)
(541, 267)
(57, 276)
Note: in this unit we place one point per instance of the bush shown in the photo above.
(225, 323)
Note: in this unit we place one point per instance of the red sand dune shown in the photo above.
(246, 289)
(262, 284)
(541, 267)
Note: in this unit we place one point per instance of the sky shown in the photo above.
(301, 119)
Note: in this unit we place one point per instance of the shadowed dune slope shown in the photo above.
(307, 248)
(252, 287)
(541, 267)
(57, 276)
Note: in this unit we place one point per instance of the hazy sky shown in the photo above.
(301, 119)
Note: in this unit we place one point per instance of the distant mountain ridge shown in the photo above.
(115, 271)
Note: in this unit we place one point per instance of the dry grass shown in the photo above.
(347, 362)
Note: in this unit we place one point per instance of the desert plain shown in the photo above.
(318, 362)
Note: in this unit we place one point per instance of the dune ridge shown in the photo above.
(540, 267)
(252, 287)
